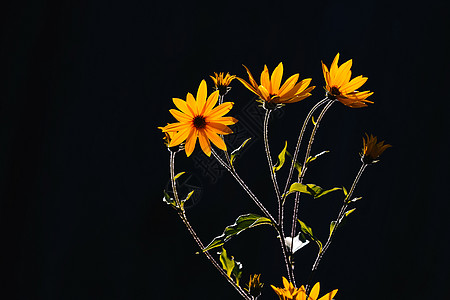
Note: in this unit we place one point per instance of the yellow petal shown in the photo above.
(354, 84)
(342, 73)
(265, 81)
(252, 80)
(217, 140)
(247, 85)
(219, 111)
(288, 85)
(325, 73)
(201, 95)
(315, 291)
(264, 93)
(219, 128)
(190, 142)
(275, 79)
(224, 120)
(334, 67)
(180, 116)
(204, 142)
(210, 103)
(192, 104)
(329, 296)
(175, 127)
(179, 137)
(182, 106)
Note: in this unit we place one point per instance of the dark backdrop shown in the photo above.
(83, 167)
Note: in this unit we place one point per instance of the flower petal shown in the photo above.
(179, 137)
(211, 102)
(288, 85)
(247, 85)
(264, 93)
(315, 291)
(224, 120)
(181, 117)
(329, 296)
(192, 104)
(217, 140)
(265, 81)
(219, 128)
(354, 84)
(201, 95)
(182, 106)
(204, 142)
(175, 127)
(342, 73)
(252, 80)
(334, 67)
(219, 111)
(275, 79)
(190, 142)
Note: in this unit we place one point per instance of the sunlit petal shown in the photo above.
(275, 79)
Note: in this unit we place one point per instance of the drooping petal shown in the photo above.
(191, 140)
(219, 128)
(204, 142)
(247, 85)
(288, 85)
(219, 111)
(252, 80)
(275, 79)
(180, 116)
(217, 140)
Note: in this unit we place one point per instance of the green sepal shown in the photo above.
(231, 266)
(281, 158)
(307, 231)
(311, 189)
(242, 223)
(237, 151)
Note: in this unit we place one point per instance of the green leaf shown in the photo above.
(242, 223)
(306, 230)
(349, 212)
(354, 199)
(178, 175)
(311, 189)
(332, 225)
(297, 165)
(227, 263)
(281, 158)
(236, 152)
(187, 198)
(313, 158)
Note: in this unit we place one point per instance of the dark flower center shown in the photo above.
(199, 122)
(335, 91)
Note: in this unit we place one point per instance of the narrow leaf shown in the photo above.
(178, 175)
(297, 165)
(242, 223)
(332, 225)
(313, 158)
(236, 152)
(311, 189)
(308, 232)
(227, 263)
(349, 212)
(169, 200)
(281, 158)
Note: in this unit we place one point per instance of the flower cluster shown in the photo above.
(289, 292)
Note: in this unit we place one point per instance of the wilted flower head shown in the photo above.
(222, 83)
(372, 150)
(289, 292)
(269, 91)
(254, 285)
(340, 87)
(198, 118)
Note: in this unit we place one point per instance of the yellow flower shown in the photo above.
(270, 91)
(222, 83)
(289, 292)
(372, 150)
(167, 136)
(198, 118)
(254, 285)
(340, 87)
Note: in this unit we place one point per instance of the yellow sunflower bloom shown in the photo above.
(167, 136)
(340, 87)
(372, 150)
(289, 292)
(270, 91)
(222, 83)
(198, 118)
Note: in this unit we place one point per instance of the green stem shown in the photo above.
(336, 225)
(280, 203)
(194, 235)
(305, 167)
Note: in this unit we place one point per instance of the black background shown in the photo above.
(82, 165)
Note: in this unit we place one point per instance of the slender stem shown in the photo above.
(336, 225)
(244, 186)
(299, 141)
(227, 156)
(262, 208)
(194, 235)
(280, 203)
(304, 166)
